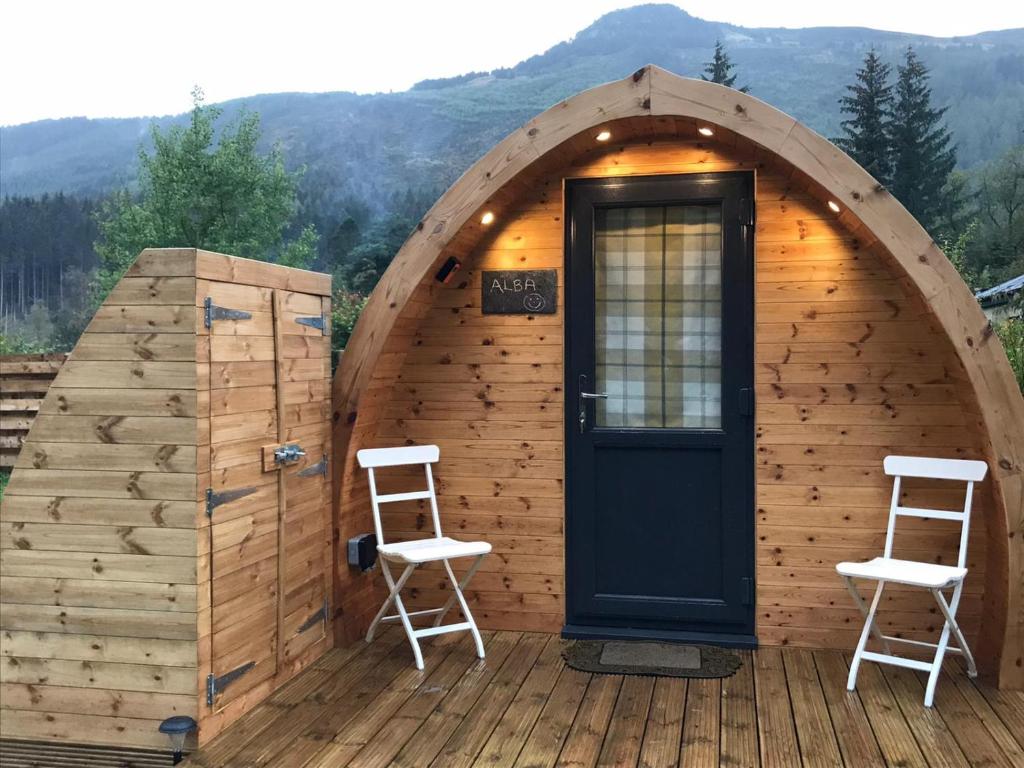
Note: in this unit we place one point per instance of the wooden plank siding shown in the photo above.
(97, 596)
(849, 367)
(522, 707)
(24, 380)
(107, 613)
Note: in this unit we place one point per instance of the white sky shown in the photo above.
(119, 58)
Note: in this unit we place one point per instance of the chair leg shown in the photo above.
(395, 596)
(457, 590)
(869, 623)
(852, 588)
(949, 613)
(461, 585)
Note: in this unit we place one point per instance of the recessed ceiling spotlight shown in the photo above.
(487, 218)
(705, 130)
(833, 206)
(604, 136)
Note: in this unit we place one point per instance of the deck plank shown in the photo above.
(482, 715)
(701, 724)
(853, 732)
(739, 718)
(817, 740)
(435, 730)
(626, 731)
(891, 730)
(776, 731)
(962, 722)
(512, 730)
(367, 705)
(583, 744)
(1012, 746)
(545, 741)
(937, 744)
(664, 724)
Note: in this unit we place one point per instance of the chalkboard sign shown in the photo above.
(520, 292)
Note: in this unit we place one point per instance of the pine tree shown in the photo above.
(923, 156)
(869, 104)
(719, 69)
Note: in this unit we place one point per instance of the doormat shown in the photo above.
(633, 657)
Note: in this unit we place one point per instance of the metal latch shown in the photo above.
(212, 312)
(320, 468)
(316, 321)
(214, 500)
(286, 453)
(215, 685)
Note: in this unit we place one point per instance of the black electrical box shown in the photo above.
(362, 551)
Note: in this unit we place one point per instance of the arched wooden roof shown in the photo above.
(654, 92)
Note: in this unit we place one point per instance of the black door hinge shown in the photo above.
(212, 312)
(747, 590)
(316, 618)
(316, 321)
(214, 500)
(215, 685)
(320, 468)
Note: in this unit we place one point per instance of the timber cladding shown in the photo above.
(850, 366)
(119, 597)
(24, 380)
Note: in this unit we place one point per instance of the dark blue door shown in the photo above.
(659, 407)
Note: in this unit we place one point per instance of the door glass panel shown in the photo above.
(658, 316)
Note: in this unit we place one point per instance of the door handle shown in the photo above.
(583, 397)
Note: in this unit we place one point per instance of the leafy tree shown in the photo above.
(866, 133)
(343, 240)
(367, 261)
(1000, 211)
(1011, 333)
(200, 190)
(719, 69)
(345, 309)
(923, 155)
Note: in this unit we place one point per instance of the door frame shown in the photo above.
(623, 190)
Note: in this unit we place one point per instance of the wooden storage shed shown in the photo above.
(155, 559)
(767, 323)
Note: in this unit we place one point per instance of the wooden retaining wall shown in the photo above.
(24, 380)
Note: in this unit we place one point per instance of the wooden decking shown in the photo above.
(368, 706)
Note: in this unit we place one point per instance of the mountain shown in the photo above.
(374, 147)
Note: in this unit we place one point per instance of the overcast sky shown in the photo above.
(121, 58)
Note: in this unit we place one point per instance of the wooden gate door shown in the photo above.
(269, 500)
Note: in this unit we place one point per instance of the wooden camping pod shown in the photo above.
(867, 342)
(148, 550)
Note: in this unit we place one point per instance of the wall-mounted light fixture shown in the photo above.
(833, 206)
(706, 130)
(487, 218)
(448, 270)
(603, 135)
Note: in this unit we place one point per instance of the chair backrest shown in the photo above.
(969, 472)
(410, 455)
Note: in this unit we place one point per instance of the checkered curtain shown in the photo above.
(658, 282)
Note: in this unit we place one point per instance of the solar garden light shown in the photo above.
(177, 729)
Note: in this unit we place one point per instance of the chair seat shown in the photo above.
(928, 575)
(430, 550)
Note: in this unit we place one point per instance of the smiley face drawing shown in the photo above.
(533, 302)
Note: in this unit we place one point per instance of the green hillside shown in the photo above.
(373, 147)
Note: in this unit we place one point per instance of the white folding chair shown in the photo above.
(935, 578)
(413, 554)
